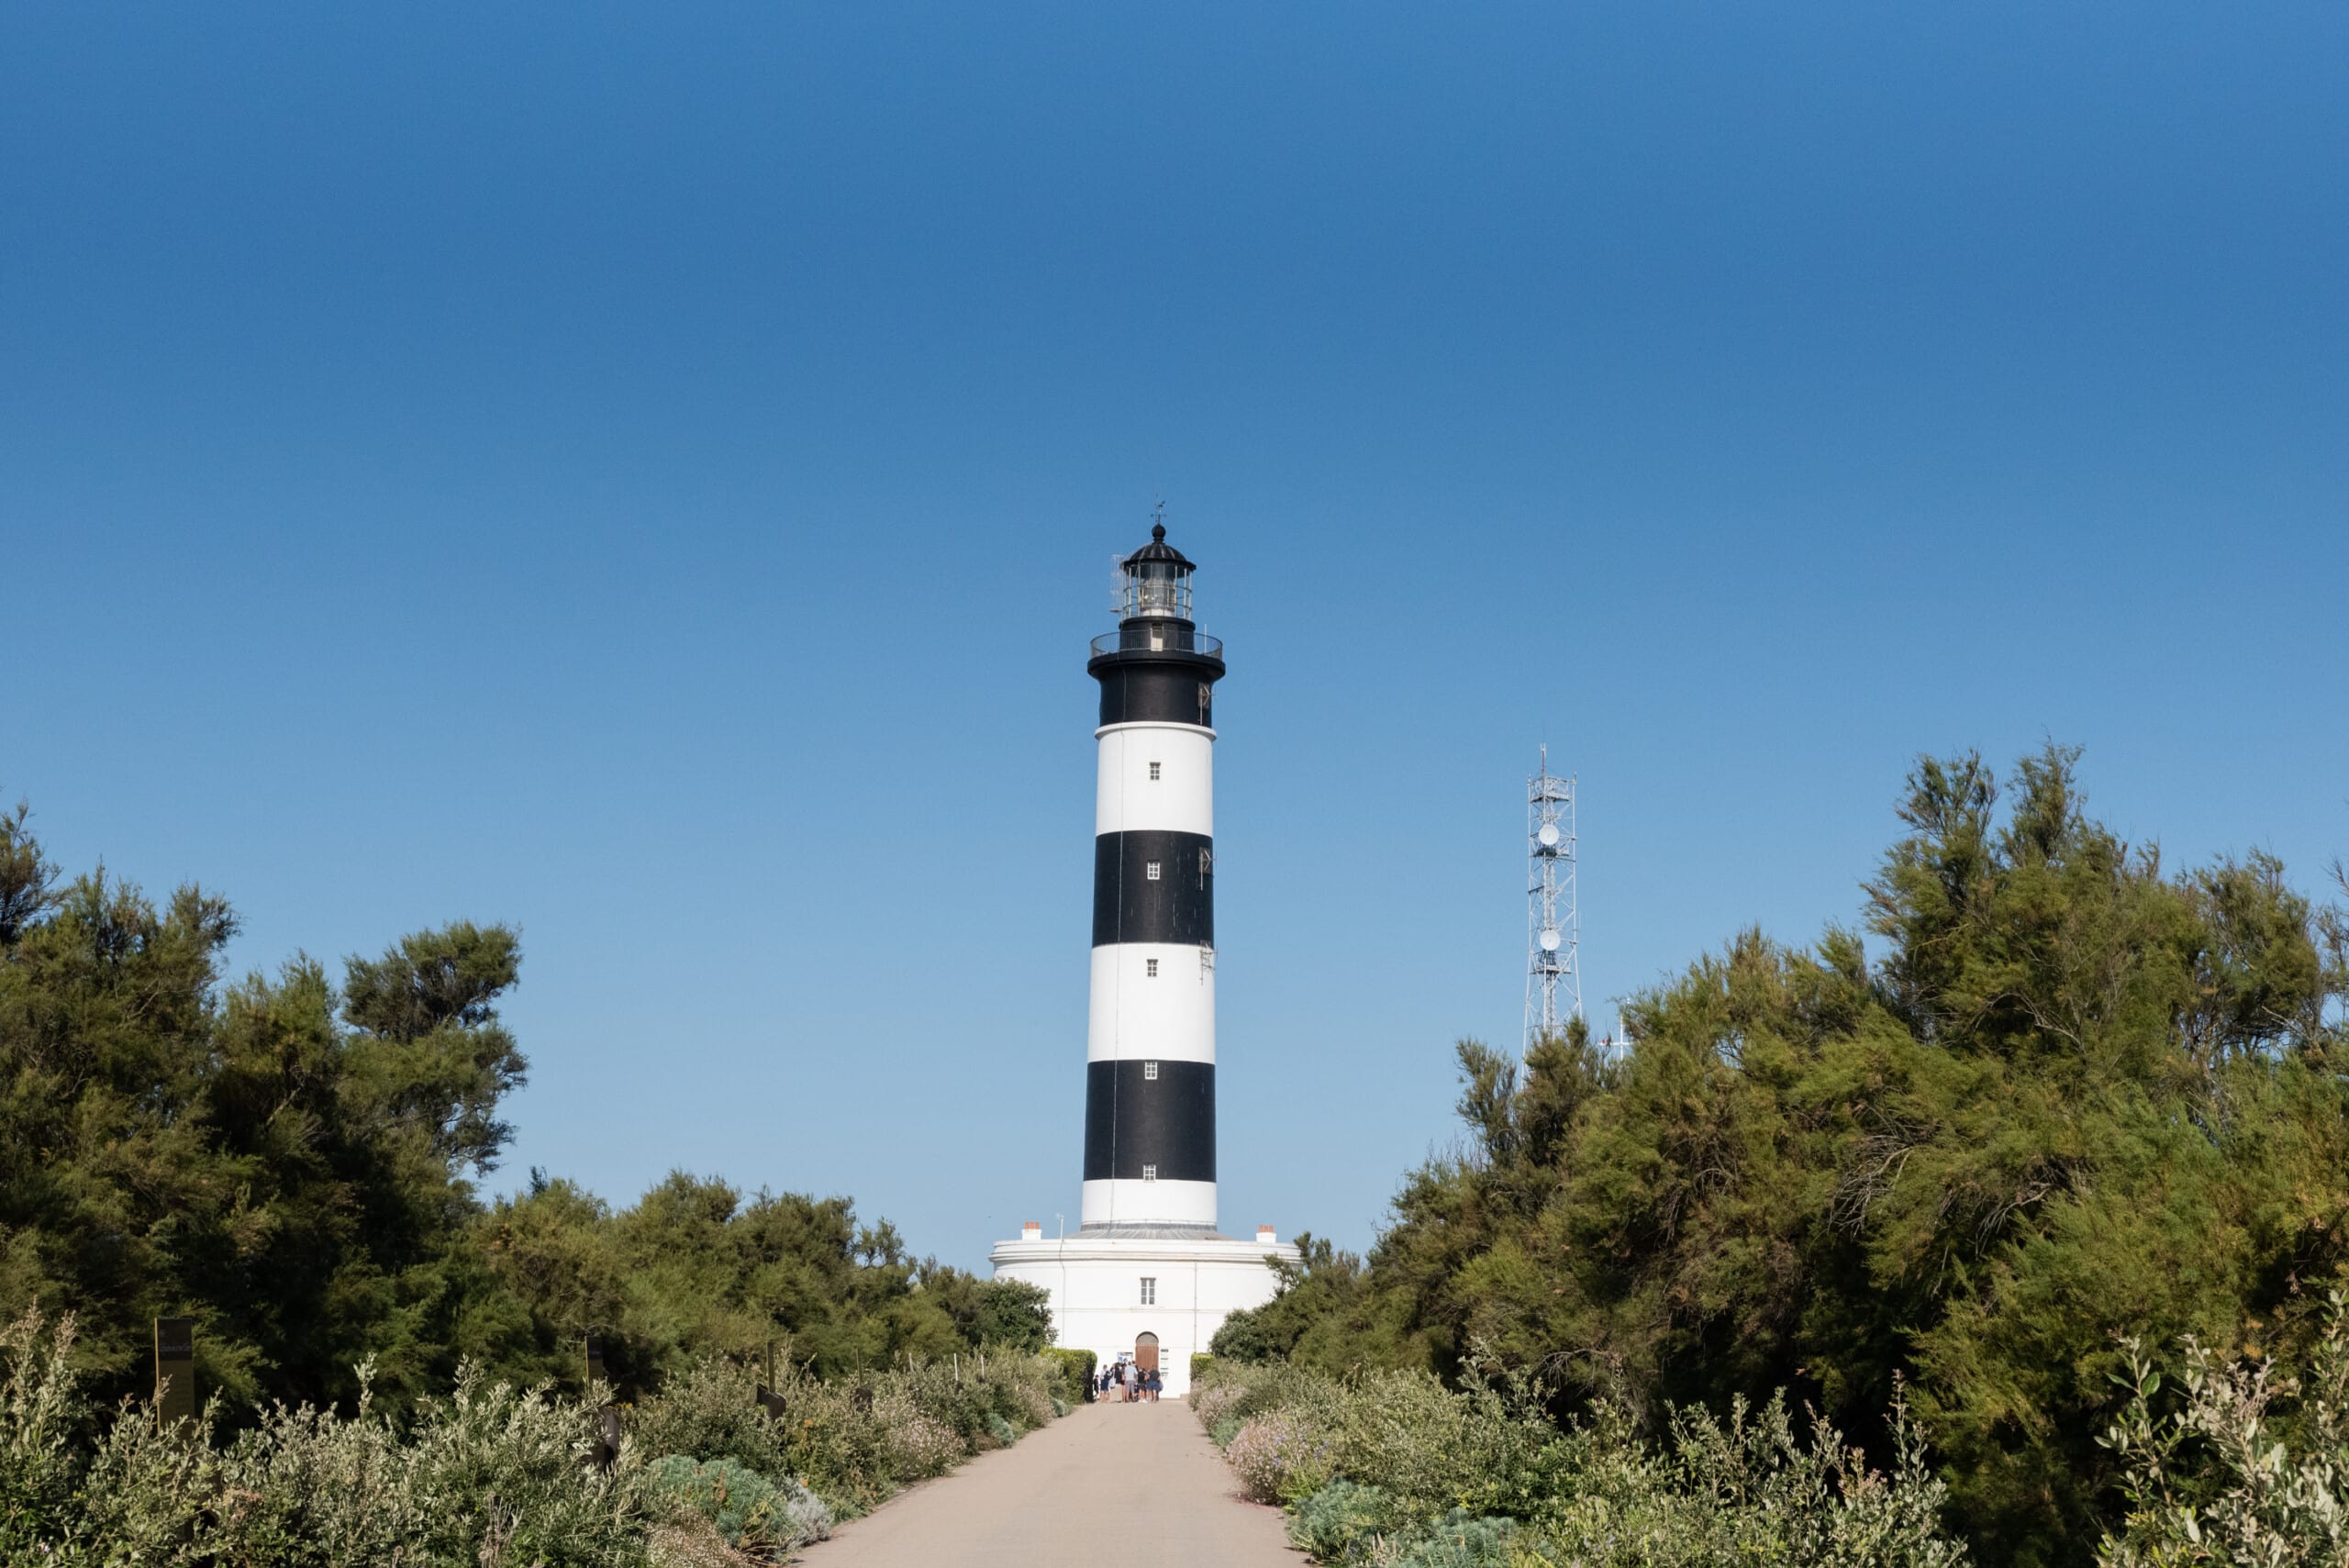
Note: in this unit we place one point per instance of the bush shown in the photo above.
(855, 1441)
(1459, 1540)
(1279, 1458)
(491, 1475)
(2216, 1478)
(711, 1411)
(1393, 1469)
(40, 1410)
(1214, 1405)
(749, 1509)
(1074, 1373)
(1342, 1522)
(1201, 1361)
(710, 1415)
(919, 1445)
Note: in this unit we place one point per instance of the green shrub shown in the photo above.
(1074, 1373)
(40, 1410)
(1215, 1403)
(1280, 1457)
(1392, 1468)
(490, 1475)
(2213, 1475)
(855, 1441)
(919, 1444)
(1201, 1361)
(711, 1411)
(749, 1509)
(1459, 1540)
(1343, 1521)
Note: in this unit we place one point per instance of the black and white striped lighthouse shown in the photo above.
(1150, 1048)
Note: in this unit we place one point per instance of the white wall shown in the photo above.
(1135, 1013)
(1132, 1202)
(1095, 1285)
(1182, 798)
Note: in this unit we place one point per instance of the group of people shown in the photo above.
(1130, 1383)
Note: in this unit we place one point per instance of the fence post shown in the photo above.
(769, 1400)
(174, 1370)
(608, 1418)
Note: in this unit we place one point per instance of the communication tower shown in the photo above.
(1551, 966)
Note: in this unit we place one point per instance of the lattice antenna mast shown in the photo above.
(1553, 972)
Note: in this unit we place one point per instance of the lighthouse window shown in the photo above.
(1150, 871)
(1150, 968)
(1153, 773)
(1150, 1072)
(1150, 1173)
(1149, 1291)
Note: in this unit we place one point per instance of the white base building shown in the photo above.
(1129, 1293)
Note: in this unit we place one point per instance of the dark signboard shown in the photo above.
(175, 1369)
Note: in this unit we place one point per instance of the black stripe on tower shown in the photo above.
(1139, 1125)
(1154, 885)
(1173, 683)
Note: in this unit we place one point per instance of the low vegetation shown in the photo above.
(488, 1475)
(1394, 1469)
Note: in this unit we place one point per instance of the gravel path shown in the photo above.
(1138, 1486)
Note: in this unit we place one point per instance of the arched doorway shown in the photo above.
(1146, 1352)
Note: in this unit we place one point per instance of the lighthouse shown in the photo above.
(1148, 1275)
(1149, 1033)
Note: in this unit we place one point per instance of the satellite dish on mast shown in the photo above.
(1549, 941)
(1549, 834)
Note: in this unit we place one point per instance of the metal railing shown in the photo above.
(1142, 639)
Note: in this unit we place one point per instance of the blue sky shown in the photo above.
(649, 475)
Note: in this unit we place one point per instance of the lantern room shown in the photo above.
(1155, 582)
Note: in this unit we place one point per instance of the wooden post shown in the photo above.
(607, 1419)
(174, 1370)
(769, 1400)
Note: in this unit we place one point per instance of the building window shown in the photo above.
(1149, 1291)
(1150, 1173)
(1150, 967)
(1153, 773)
(1150, 871)
(1150, 1072)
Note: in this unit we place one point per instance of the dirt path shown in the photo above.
(1138, 1486)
